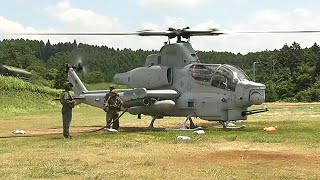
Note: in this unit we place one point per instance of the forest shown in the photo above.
(291, 73)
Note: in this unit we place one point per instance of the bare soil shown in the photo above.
(236, 156)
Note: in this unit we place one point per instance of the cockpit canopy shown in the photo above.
(222, 76)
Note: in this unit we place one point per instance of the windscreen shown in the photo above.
(217, 75)
(202, 72)
(238, 72)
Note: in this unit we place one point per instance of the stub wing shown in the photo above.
(149, 102)
(141, 93)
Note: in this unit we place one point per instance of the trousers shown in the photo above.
(66, 121)
(111, 116)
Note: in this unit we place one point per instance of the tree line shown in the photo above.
(290, 73)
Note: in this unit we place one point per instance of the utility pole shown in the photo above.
(254, 70)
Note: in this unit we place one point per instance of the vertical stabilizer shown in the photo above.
(78, 87)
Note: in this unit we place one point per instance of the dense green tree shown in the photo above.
(94, 77)
(289, 73)
(271, 93)
(58, 62)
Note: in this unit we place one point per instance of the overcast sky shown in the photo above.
(133, 15)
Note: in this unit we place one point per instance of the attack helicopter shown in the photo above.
(174, 82)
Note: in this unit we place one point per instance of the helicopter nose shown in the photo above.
(257, 93)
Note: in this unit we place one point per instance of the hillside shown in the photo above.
(290, 73)
(18, 97)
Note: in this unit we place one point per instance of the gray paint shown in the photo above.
(216, 93)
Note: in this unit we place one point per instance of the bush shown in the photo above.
(15, 84)
(309, 95)
(289, 99)
(271, 94)
(94, 77)
(19, 97)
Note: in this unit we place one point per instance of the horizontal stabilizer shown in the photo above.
(75, 98)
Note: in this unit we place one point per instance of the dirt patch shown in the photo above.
(55, 130)
(291, 104)
(58, 130)
(238, 156)
(84, 129)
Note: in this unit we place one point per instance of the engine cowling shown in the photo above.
(145, 77)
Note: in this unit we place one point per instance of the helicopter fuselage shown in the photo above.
(210, 91)
(175, 83)
(204, 93)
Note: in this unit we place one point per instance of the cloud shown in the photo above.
(169, 21)
(297, 19)
(86, 20)
(175, 22)
(8, 26)
(149, 26)
(82, 19)
(281, 20)
(170, 3)
(207, 25)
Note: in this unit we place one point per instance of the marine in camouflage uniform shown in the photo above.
(113, 106)
(68, 103)
(106, 97)
(111, 88)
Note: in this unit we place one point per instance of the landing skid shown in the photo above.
(184, 123)
(227, 126)
(180, 129)
(184, 126)
(152, 122)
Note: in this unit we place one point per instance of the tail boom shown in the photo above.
(78, 86)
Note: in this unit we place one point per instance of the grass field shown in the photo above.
(18, 97)
(292, 152)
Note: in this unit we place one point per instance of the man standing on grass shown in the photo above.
(113, 106)
(106, 108)
(68, 103)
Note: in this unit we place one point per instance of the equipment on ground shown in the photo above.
(15, 72)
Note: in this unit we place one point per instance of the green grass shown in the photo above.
(26, 103)
(8, 83)
(291, 152)
(18, 97)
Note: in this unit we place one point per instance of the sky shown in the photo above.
(39, 16)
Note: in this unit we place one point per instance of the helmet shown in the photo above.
(112, 93)
(111, 87)
(68, 86)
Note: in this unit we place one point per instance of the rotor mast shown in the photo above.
(180, 33)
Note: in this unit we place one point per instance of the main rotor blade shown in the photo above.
(186, 33)
(171, 33)
(203, 33)
(154, 33)
(278, 32)
(77, 34)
